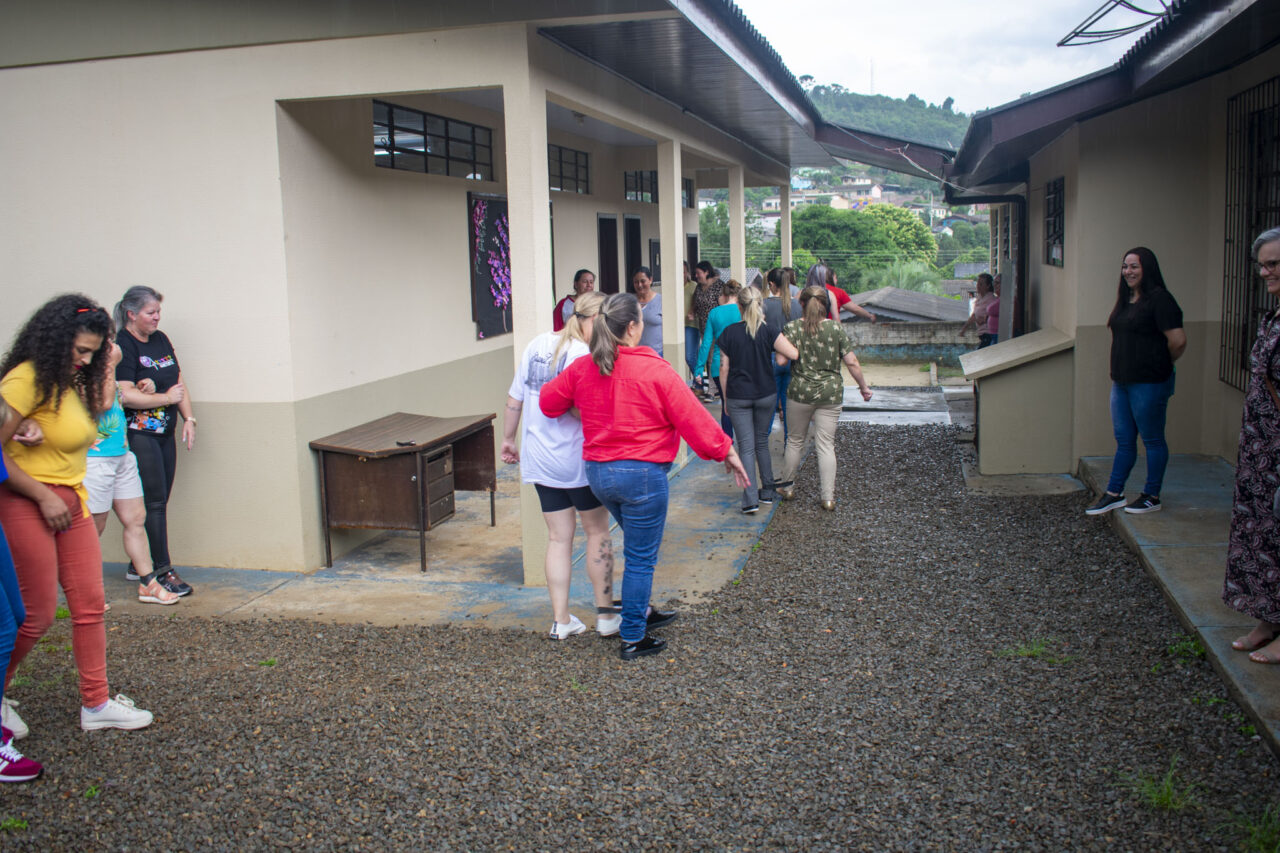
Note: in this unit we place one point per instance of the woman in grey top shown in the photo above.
(650, 308)
(779, 309)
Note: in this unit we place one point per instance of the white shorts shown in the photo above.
(111, 478)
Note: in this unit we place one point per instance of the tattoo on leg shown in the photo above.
(606, 557)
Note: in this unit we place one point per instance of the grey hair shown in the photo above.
(134, 300)
(1271, 235)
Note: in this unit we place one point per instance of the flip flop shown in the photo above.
(1261, 656)
(1243, 645)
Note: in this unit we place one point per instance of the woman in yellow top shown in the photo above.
(53, 375)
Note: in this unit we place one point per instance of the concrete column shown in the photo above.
(671, 241)
(784, 224)
(737, 223)
(525, 113)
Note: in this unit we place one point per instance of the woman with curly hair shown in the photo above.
(53, 374)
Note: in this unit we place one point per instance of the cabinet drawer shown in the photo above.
(438, 488)
(440, 509)
(440, 464)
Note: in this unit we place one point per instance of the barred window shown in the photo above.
(686, 192)
(569, 169)
(410, 139)
(640, 186)
(1054, 205)
(1253, 206)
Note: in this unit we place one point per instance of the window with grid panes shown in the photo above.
(640, 186)
(1253, 206)
(1054, 206)
(569, 170)
(686, 192)
(416, 141)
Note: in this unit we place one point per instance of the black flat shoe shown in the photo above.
(656, 618)
(648, 646)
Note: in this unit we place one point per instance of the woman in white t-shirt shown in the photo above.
(550, 457)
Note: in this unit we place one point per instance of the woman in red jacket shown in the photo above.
(635, 409)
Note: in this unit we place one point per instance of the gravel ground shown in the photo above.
(853, 689)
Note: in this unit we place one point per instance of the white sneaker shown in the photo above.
(118, 713)
(562, 631)
(10, 720)
(608, 625)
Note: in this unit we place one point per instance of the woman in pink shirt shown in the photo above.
(635, 409)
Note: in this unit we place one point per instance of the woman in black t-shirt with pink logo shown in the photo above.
(152, 418)
(1146, 338)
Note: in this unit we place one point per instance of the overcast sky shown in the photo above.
(983, 53)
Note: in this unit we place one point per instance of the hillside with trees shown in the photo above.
(910, 118)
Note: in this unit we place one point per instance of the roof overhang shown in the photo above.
(885, 152)
(711, 63)
(1197, 40)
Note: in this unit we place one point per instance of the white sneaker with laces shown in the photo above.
(118, 713)
(10, 720)
(562, 631)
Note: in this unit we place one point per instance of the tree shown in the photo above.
(906, 230)
(846, 239)
(906, 275)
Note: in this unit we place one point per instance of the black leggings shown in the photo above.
(157, 461)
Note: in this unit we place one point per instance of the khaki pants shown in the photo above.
(824, 420)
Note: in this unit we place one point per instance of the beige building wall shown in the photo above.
(306, 290)
(1150, 174)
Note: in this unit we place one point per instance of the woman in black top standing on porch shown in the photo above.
(152, 418)
(1146, 338)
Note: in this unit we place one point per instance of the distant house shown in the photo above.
(971, 270)
(911, 306)
(959, 287)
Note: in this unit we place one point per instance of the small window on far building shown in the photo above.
(640, 186)
(569, 170)
(415, 141)
(1053, 222)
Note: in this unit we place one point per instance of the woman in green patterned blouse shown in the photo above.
(817, 390)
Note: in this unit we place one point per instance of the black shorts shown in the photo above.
(554, 500)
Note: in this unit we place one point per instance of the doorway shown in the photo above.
(631, 247)
(607, 252)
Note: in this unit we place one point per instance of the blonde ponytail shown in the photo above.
(749, 305)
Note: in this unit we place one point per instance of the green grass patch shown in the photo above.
(267, 662)
(12, 824)
(1256, 832)
(92, 791)
(62, 613)
(1038, 648)
(1167, 792)
(1186, 649)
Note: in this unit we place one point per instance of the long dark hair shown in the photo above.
(46, 341)
(1152, 280)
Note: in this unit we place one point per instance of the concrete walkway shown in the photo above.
(1184, 548)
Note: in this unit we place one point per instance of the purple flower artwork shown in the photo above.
(490, 266)
(500, 271)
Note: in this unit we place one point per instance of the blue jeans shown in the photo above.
(691, 340)
(12, 613)
(782, 381)
(635, 494)
(1138, 408)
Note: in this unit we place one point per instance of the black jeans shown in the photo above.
(157, 461)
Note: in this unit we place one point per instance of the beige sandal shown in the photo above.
(150, 592)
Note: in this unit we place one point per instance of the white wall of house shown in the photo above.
(306, 289)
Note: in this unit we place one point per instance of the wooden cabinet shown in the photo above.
(400, 473)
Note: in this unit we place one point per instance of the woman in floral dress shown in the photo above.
(1252, 584)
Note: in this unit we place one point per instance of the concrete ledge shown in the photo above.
(1184, 550)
